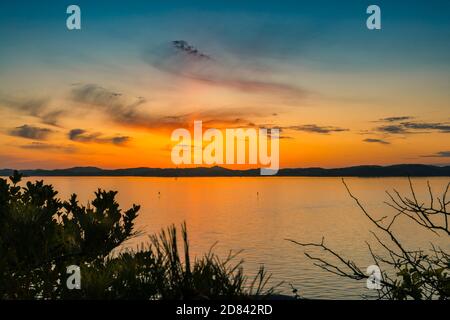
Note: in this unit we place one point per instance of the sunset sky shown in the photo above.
(110, 94)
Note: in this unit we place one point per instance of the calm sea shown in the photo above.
(257, 214)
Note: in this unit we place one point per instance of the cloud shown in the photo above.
(36, 107)
(49, 147)
(414, 127)
(81, 135)
(108, 100)
(52, 117)
(120, 140)
(30, 132)
(185, 47)
(441, 154)
(371, 140)
(441, 127)
(117, 106)
(131, 112)
(184, 60)
(393, 129)
(395, 119)
(313, 128)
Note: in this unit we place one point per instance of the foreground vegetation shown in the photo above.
(40, 236)
(405, 273)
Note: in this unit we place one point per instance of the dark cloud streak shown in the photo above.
(440, 154)
(49, 147)
(185, 47)
(441, 127)
(313, 128)
(396, 119)
(81, 135)
(31, 132)
(373, 140)
(414, 128)
(392, 129)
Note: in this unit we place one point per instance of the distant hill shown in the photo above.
(401, 170)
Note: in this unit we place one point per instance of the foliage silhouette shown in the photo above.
(406, 274)
(40, 236)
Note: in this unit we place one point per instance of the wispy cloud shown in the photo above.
(373, 140)
(183, 59)
(132, 112)
(431, 126)
(36, 107)
(52, 117)
(314, 128)
(414, 127)
(119, 107)
(440, 154)
(395, 119)
(31, 132)
(392, 129)
(107, 100)
(33, 106)
(49, 147)
(81, 135)
(129, 111)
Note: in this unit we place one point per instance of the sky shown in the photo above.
(110, 95)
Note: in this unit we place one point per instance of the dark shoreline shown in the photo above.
(401, 170)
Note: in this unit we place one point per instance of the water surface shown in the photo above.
(257, 214)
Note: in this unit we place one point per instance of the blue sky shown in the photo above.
(311, 66)
(327, 29)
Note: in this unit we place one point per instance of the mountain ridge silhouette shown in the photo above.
(398, 170)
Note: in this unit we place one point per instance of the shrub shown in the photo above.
(40, 236)
(407, 273)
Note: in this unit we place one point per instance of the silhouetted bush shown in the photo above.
(405, 273)
(40, 236)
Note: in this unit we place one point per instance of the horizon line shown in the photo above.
(398, 170)
(225, 168)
